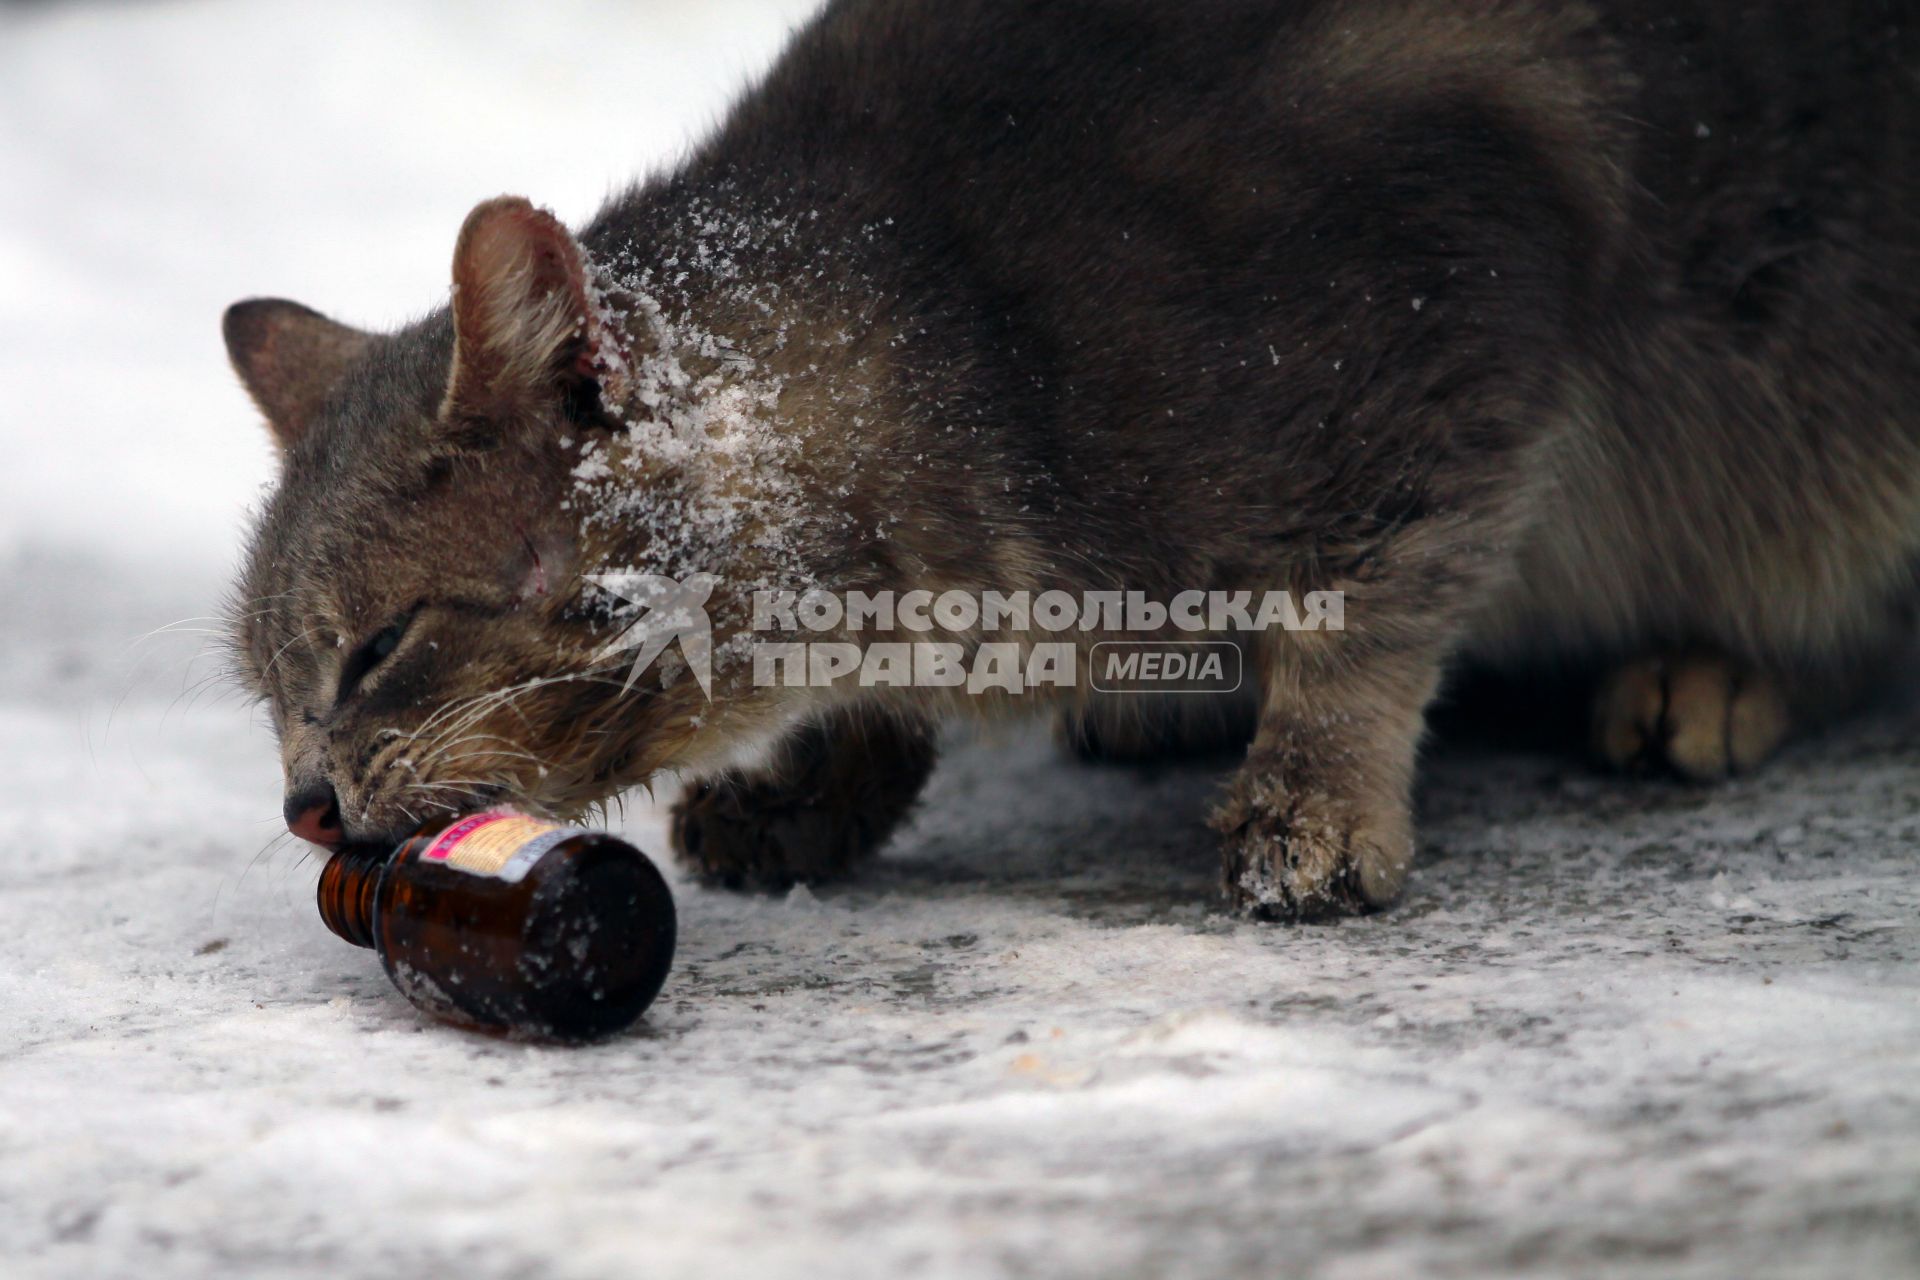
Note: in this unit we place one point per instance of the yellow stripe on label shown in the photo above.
(488, 848)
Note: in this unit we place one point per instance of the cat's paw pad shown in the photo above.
(1303, 857)
(1700, 716)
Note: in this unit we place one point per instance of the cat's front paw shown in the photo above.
(1294, 855)
(738, 833)
(832, 795)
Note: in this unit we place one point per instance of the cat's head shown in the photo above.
(412, 609)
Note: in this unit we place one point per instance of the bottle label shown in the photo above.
(499, 843)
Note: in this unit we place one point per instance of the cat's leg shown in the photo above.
(1319, 820)
(1701, 715)
(828, 798)
(1118, 728)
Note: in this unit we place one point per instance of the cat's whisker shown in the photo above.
(266, 672)
(456, 706)
(504, 753)
(191, 693)
(480, 705)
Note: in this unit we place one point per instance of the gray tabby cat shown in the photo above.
(1569, 340)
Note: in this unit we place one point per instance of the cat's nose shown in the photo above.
(313, 813)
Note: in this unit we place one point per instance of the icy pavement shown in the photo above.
(1615, 1028)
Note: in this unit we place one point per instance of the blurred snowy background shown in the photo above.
(1615, 1028)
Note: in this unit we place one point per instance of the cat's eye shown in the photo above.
(378, 648)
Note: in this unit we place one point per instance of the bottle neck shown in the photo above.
(348, 886)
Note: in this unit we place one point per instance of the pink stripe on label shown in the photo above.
(442, 847)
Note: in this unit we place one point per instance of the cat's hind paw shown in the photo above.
(1701, 716)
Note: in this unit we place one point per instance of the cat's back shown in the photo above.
(1764, 131)
(929, 82)
(1746, 467)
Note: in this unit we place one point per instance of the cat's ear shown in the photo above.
(289, 357)
(528, 327)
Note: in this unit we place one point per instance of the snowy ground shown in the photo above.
(1614, 1029)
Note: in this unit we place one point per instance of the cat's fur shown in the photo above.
(1561, 337)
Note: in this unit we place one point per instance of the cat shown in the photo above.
(1563, 340)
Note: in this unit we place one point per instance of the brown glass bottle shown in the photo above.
(510, 923)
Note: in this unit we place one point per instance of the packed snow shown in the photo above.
(1616, 1028)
